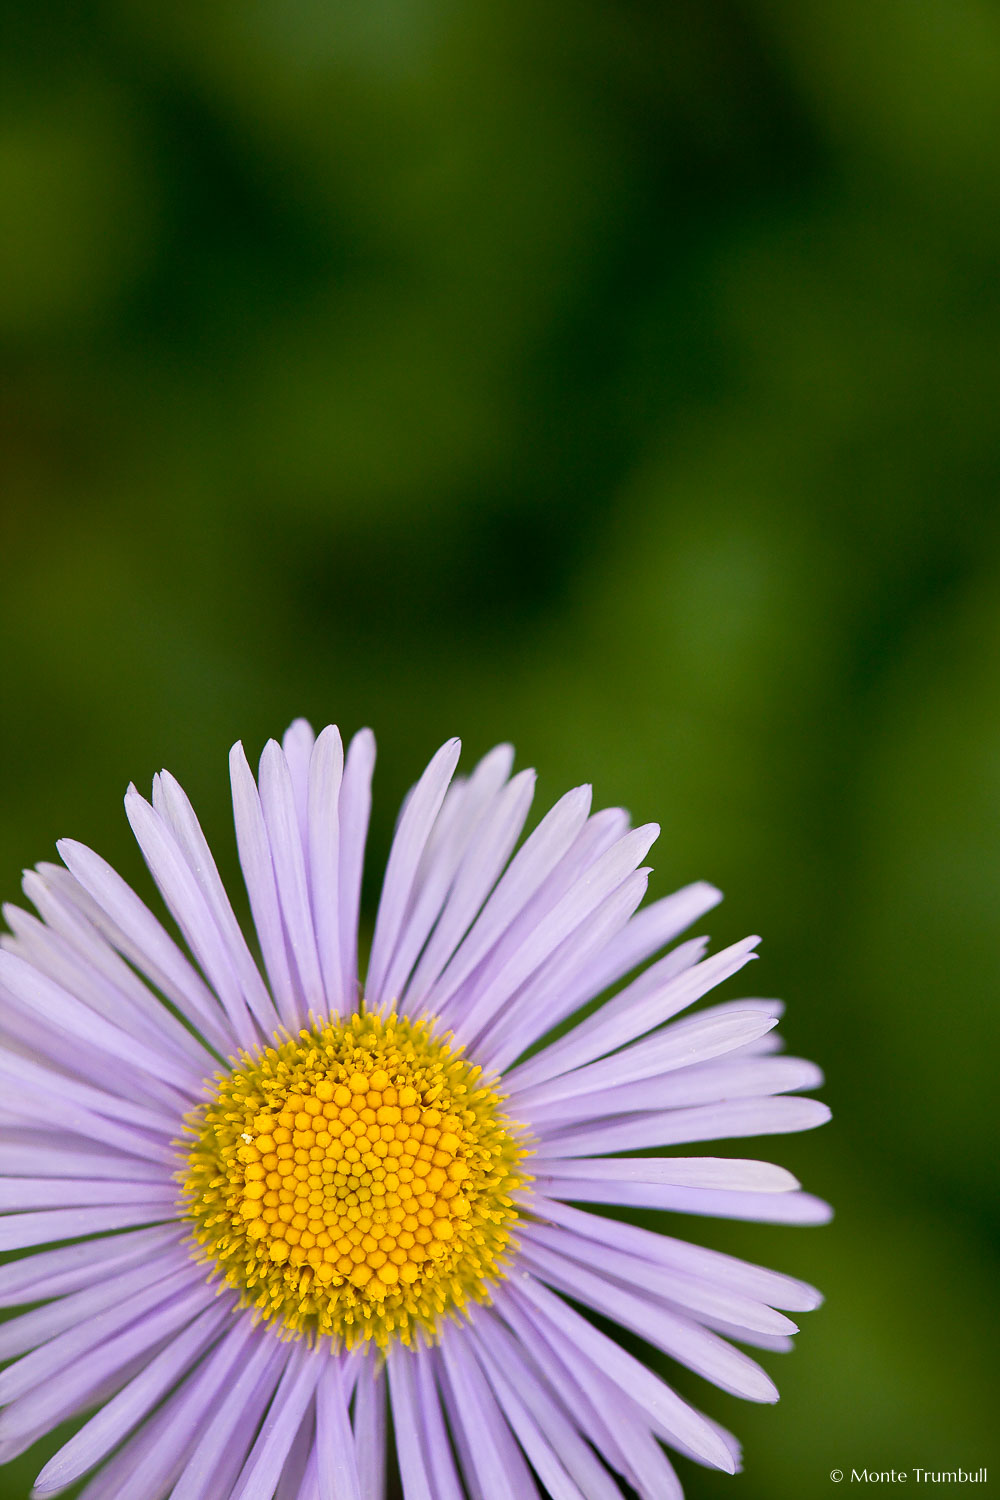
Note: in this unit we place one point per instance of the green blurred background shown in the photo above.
(614, 377)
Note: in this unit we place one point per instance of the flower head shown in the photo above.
(280, 1200)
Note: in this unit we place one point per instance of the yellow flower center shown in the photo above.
(354, 1181)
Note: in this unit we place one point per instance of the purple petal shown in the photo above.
(355, 808)
(337, 1461)
(20, 1231)
(676, 1335)
(527, 872)
(614, 1422)
(370, 1429)
(705, 1300)
(676, 1046)
(411, 836)
(594, 839)
(671, 1127)
(36, 1154)
(704, 1083)
(299, 1478)
(35, 993)
(277, 800)
(326, 771)
(159, 1448)
(73, 1387)
(52, 1273)
(127, 923)
(542, 1002)
(219, 1453)
(465, 806)
(115, 1420)
(297, 747)
(186, 902)
(664, 1407)
(406, 1424)
(71, 952)
(631, 1014)
(496, 1459)
(765, 1208)
(20, 1193)
(254, 847)
(561, 1458)
(171, 802)
(775, 1343)
(31, 1091)
(734, 1174)
(486, 856)
(50, 1362)
(583, 897)
(274, 1442)
(43, 1323)
(652, 929)
(445, 1483)
(25, 1028)
(711, 1266)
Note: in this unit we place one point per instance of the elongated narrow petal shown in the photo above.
(171, 802)
(370, 1431)
(667, 1410)
(337, 1472)
(415, 825)
(185, 898)
(672, 1127)
(550, 1432)
(288, 858)
(297, 745)
(533, 863)
(634, 1012)
(608, 1414)
(159, 1447)
(676, 1335)
(410, 1441)
(32, 1329)
(682, 1289)
(444, 1477)
(541, 1003)
(493, 1455)
(274, 1441)
(325, 774)
(488, 851)
(355, 809)
(222, 1447)
(52, 1273)
(133, 929)
(119, 1417)
(677, 1046)
(464, 808)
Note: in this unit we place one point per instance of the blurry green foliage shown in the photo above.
(616, 378)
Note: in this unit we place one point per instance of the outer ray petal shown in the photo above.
(158, 1449)
(118, 1418)
(412, 833)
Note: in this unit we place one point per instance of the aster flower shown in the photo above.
(281, 1204)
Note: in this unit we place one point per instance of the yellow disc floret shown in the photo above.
(354, 1181)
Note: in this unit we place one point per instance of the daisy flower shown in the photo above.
(286, 1211)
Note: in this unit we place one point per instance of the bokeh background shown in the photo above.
(614, 377)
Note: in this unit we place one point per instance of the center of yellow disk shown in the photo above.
(354, 1181)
